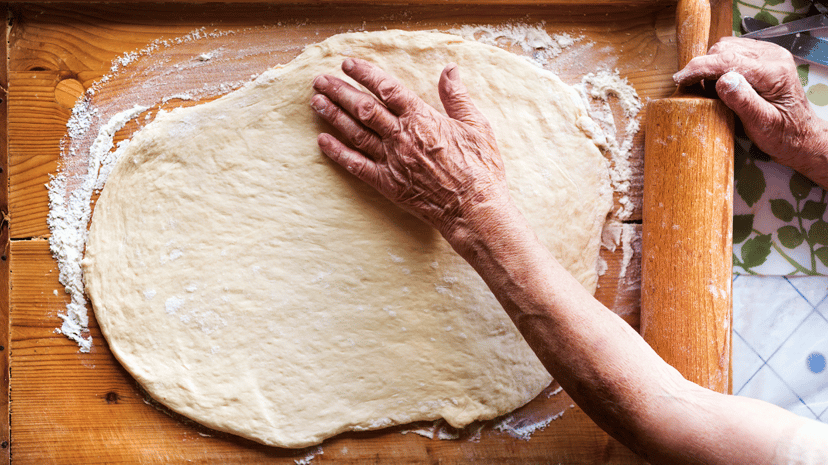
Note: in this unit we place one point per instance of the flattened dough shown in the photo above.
(252, 285)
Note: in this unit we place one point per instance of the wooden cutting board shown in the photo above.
(70, 407)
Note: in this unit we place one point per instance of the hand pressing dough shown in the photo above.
(252, 285)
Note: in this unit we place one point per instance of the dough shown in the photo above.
(249, 283)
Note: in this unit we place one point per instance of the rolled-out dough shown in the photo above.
(252, 285)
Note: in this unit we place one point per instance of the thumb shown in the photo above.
(741, 97)
(456, 99)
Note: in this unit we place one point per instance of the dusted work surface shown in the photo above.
(76, 407)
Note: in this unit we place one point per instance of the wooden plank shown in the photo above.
(85, 406)
(5, 450)
(87, 409)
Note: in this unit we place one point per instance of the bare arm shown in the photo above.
(448, 172)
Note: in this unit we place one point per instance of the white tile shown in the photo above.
(745, 363)
(813, 288)
(800, 362)
(767, 386)
(822, 308)
(800, 409)
(766, 310)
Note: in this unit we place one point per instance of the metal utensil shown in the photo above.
(793, 36)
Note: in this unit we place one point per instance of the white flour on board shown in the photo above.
(596, 89)
(533, 40)
(68, 218)
(306, 460)
(88, 151)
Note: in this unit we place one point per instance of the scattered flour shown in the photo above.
(68, 218)
(534, 41)
(307, 459)
(617, 234)
(524, 429)
(596, 90)
(439, 429)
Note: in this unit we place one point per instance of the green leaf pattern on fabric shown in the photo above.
(822, 254)
(742, 227)
(812, 210)
(782, 209)
(802, 71)
(750, 183)
(766, 17)
(800, 186)
(788, 221)
(755, 251)
(790, 236)
(818, 234)
(803, 215)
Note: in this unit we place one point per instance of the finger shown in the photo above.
(387, 88)
(361, 138)
(456, 99)
(357, 164)
(703, 67)
(363, 107)
(739, 96)
(748, 57)
(727, 42)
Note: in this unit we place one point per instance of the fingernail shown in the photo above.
(731, 81)
(679, 76)
(452, 72)
(318, 103)
(347, 65)
(320, 82)
(323, 140)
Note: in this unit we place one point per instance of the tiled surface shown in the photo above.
(780, 342)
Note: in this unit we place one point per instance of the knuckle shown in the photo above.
(333, 114)
(361, 139)
(366, 109)
(388, 89)
(335, 86)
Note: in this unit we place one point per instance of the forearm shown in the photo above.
(603, 364)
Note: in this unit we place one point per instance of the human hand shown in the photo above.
(436, 167)
(759, 82)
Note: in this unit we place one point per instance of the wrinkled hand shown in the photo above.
(759, 82)
(437, 168)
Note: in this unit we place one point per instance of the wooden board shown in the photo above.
(69, 407)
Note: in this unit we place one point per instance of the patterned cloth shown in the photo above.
(780, 324)
(779, 224)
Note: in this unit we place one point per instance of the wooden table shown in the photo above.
(72, 407)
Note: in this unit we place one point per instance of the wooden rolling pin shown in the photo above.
(686, 308)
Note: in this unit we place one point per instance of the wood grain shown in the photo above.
(87, 409)
(68, 407)
(688, 236)
(5, 437)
